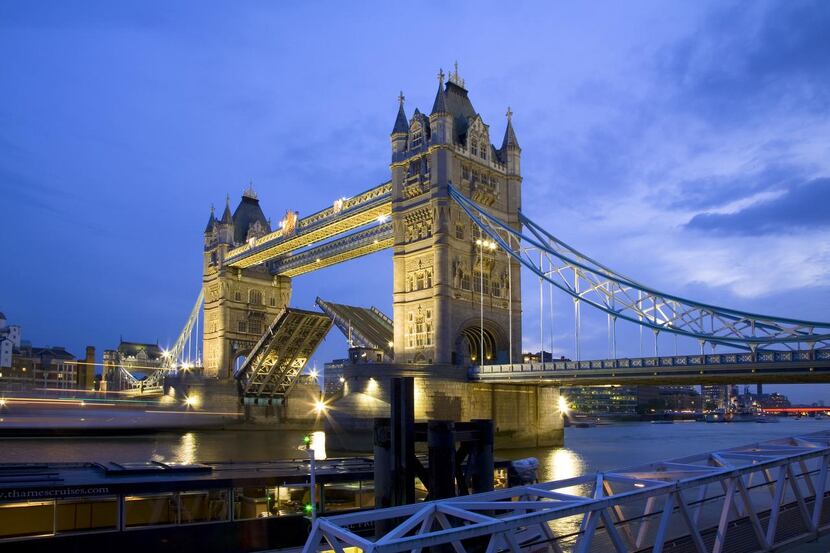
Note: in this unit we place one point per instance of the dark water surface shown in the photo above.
(586, 449)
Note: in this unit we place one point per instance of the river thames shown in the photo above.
(600, 448)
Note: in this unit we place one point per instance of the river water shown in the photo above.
(586, 450)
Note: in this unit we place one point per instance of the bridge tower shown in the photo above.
(445, 273)
(239, 303)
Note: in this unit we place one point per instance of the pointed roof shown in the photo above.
(509, 134)
(401, 122)
(227, 218)
(247, 213)
(211, 220)
(440, 103)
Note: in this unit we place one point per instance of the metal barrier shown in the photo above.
(745, 499)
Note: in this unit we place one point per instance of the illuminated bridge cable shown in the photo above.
(624, 298)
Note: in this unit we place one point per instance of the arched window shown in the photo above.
(255, 297)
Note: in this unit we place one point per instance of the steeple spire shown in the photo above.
(211, 220)
(227, 218)
(401, 122)
(509, 134)
(440, 103)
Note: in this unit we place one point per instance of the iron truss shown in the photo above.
(276, 361)
(589, 282)
(368, 328)
(757, 497)
(348, 214)
(336, 251)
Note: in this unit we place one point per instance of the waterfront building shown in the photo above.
(602, 400)
(715, 397)
(139, 358)
(9, 342)
(44, 367)
(680, 398)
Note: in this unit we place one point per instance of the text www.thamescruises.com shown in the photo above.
(59, 492)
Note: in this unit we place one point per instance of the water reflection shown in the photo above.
(187, 450)
(318, 444)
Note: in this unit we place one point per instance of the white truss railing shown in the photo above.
(589, 282)
(753, 498)
(181, 352)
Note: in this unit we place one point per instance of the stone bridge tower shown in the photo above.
(239, 303)
(445, 272)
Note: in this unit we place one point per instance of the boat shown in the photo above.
(171, 507)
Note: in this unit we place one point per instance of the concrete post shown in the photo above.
(441, 451)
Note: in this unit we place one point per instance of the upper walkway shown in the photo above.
(725, 368)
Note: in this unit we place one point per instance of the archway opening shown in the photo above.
(469, 350)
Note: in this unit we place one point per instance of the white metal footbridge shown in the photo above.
(758, 497)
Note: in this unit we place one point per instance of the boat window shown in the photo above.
(86, 514)
(270, 502)
(295, 499)
(26, 518)
(499, 479)
(150, 510)
(203, 506)
(342, 496)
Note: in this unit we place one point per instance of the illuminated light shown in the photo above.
(563, 404)
(342, 380)
(313, 373)
(390, 344)
(191, 401)
(320, 407)
(2, 402)
(372, 386)
(317, 260)
(479, 242)
(383, 218)
(165, 353)
(639, 485)
(307, 507)
(307, 439)
(82, 403)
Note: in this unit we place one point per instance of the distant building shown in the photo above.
(715, 397)
(140, 359)
(9, 342)
(44, 367)
(680, 398)
(602, 400)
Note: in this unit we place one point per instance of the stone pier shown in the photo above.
(524, 415)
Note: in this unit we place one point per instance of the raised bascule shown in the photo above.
(452, 215)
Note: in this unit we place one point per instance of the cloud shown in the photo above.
(803, 207)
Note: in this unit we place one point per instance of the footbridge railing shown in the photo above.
(751, 498)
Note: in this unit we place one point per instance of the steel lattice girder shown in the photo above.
(177, 351)
(278, 358)
(699, 500)
(354, 212)
(592, 283)
(342, 249)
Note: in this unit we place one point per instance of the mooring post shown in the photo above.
(441, 451)
(383, 474)
(403, 440)
(482, 457)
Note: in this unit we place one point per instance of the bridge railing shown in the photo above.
(741, 358)
(757, 497)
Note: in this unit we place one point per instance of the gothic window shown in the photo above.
(465, 281)
(255, 297)
(459, 231)
(242, 326)
(429, 278)
(213, 258)
(496, 288)
(481, 285)
(237, 295)
(273, 301)
(417, 138)
(474, 147)
(465, 173)
(420, 281)
(484, 151)
(254, 327)
(476, 177)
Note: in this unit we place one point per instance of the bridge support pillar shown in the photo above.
(523, 415)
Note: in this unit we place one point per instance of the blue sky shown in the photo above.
(685, 144)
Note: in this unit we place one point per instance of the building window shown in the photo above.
(465, 281)
(483, 151)
(254, 327)
(273, 301)
(465, 173)
(496, 288)
(479, 284)
(242, 326)
(237, 295)
(255, 297)
(474, 147)
(417, 138)
(459, 231)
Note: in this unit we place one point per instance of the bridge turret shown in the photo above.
(510, 151)
(225, 226)
(440, 119)
(400, 130)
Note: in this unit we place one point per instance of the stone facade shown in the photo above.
(444, 270)
(523, 415)
(239, 303)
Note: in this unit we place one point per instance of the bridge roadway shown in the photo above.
(790, 367)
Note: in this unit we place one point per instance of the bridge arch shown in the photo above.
(467, 346)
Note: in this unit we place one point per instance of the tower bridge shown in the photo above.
(452, 215)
